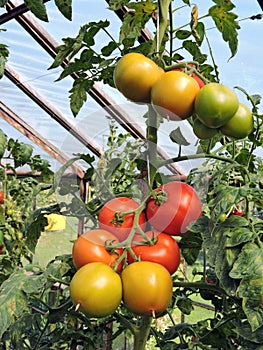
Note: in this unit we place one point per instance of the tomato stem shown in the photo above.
(141, 333)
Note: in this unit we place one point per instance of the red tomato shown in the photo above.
(90, 247)
(147, 288)
(2, 196)
(180, 206)
(196, 77)
(112, 218)
(164, 250)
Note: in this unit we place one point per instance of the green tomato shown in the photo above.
(215, 104)
(202, 131)
(240, 125)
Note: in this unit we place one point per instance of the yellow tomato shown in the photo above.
(135, 75)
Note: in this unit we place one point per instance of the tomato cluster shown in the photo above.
(132, 254)
(177, 95)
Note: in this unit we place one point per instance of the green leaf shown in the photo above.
(38, 9)
(185, 305)
(183, 34)
(4, 52)
(190, 246)
(3, 3)
(24, 155)
(239, 235)
(13, 302)
(223, 264)
(249, 263)
(65, 7)
(199, 33)
(254, 312)
(193, 48)
(177, 137)
(3, 143)
(226, 22)
(135, 19)
(33, 230)
(78, 93)
(109, 48)
(58, 175)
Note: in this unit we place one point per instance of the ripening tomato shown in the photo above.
(90, 247)
(179, 206)
(196, 77)
(96, 289)
(135, 75)
(240, 125)
(173, 95)
(2, 197)
(112, 217)
(215, 104)
(202, 131)
(147, 288)
(162, 249)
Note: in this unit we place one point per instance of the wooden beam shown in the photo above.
(15, 121)
(52, 111)
(28, 22)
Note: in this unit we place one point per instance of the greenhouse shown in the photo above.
(131, 175)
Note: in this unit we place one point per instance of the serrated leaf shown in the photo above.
(135, 19)
(33, 231)
(13, 302)
(177, 137)
(226, 22)
(78, 94)
(38, 9)
(254, 312)
(239, 235)
(249, 263)
(222, 267)
(65, 7)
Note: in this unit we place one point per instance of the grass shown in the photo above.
(54, 243)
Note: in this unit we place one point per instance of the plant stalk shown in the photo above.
(141, 333)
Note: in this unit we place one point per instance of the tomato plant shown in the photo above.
(173, 207)
(215, 104)
(92, 246)
(135, 75)
(162, 249)
(173, 95)
(117, 216)
(147, 288)
(96, 290)
(240, 125)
